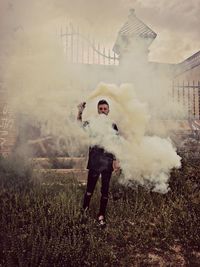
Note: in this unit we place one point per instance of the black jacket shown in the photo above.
(99, 159)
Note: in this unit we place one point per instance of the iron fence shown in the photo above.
(83, 49)
(187, 94)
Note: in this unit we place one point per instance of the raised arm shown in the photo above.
(116, 163)
(80, 107)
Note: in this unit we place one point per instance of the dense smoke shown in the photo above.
(145, 159)
(45, 88)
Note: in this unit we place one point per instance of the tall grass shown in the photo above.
(41, 223)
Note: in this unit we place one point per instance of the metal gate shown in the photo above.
(83, 49)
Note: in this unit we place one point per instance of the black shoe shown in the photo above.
(101, 221)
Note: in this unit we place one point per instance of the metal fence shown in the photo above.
(83, 49)
(188, 95)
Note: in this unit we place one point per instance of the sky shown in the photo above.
(175, 22)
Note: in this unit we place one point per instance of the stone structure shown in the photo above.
(133, 40)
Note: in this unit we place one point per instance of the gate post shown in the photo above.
(199, 99)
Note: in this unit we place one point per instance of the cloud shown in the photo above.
(177, 25)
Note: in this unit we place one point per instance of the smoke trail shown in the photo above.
(145, 159)
(135, 113)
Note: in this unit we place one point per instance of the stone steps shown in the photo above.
(59, 163)
(78, 174)
(61, 167)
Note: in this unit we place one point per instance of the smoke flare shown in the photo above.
(145, 159)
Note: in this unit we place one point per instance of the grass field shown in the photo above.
(40, 221)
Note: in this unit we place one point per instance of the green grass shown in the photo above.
(40, 222)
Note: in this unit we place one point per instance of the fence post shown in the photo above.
(183, 94)
(199, 98)
(93, 54)
(77, 43)
(109, 56)
(61, 34)
(98, 54)
(114, 58)
(66, 42)
(173, 90)
(194, 104)
(178, 93)
(82, 51)
(72, 43)
(189, 104)
(88, 50)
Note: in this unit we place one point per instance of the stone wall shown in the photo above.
(7, 126)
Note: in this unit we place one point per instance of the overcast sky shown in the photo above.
(175, 22)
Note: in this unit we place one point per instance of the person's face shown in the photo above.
(103, 109)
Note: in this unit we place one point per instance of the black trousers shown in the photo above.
(93, 176)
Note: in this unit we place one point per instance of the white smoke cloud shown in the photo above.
(145, 159)
(42, 85)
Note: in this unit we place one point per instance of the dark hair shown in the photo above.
(102, 102)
